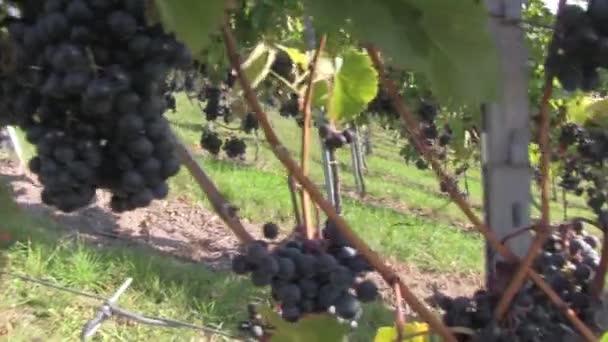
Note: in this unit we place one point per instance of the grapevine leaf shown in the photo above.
(192, 21)
(461, 48)
(445, 40)
(355, 85)
(378, 22)
(257, 65)
(320, 93)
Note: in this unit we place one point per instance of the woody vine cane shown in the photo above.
(343, 228)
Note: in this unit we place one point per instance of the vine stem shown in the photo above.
(222, 207)
(307, 108)
(411, 126)
(282, 154)
(543, 229)
(399, 316)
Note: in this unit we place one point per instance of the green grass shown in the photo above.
(162, 287)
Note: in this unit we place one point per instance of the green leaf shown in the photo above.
(464, 62)
(446, 40)
(192, 21)
(320, 93)
(594, 113)
(320, 328)
(354, 86)
(257, 66)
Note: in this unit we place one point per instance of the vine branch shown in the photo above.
(283, 155)
(221, 206)
(411, 124)
(307, 107)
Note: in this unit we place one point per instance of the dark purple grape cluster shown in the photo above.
(217, 103)
(568, 263)
(309, 276)
(291, 107)
(235, 147)
(211, 142)
(580, 46)
(584, 154)
(334, 139)
(91, 81)
(249, 123)
(381, 105)
(283, 66)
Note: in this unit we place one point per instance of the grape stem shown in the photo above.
(517, 233)
(294, 200)
(543, 228)
(412, 125)
(221, 206)
(342, 226)
(309, 229)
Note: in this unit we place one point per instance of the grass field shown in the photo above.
(433, 242)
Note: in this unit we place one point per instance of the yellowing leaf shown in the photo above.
(389, 334)
(257, 65)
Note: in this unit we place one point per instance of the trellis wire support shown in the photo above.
(505, 139)
(104, 312)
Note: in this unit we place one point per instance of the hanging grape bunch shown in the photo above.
(216, 103)
(249, 123)
(90, 80)
(235, 147)
(568, 263)
(290, 108)
(584, 153)
(211, 142)
(283, 66)
(334, 139)
(309, 276)
(580, 46)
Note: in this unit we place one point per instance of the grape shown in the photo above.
(421, 164)
(290, 313)
(305, 265)
(347, 307)
(309, 288)
(290, 294)
(287, 268)
(366, 291)
(271, 231)
(256, 252)
(328, 294)
(260, 278)
(341, 277)
(326, 263)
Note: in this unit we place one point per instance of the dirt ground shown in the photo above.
(188, 232)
